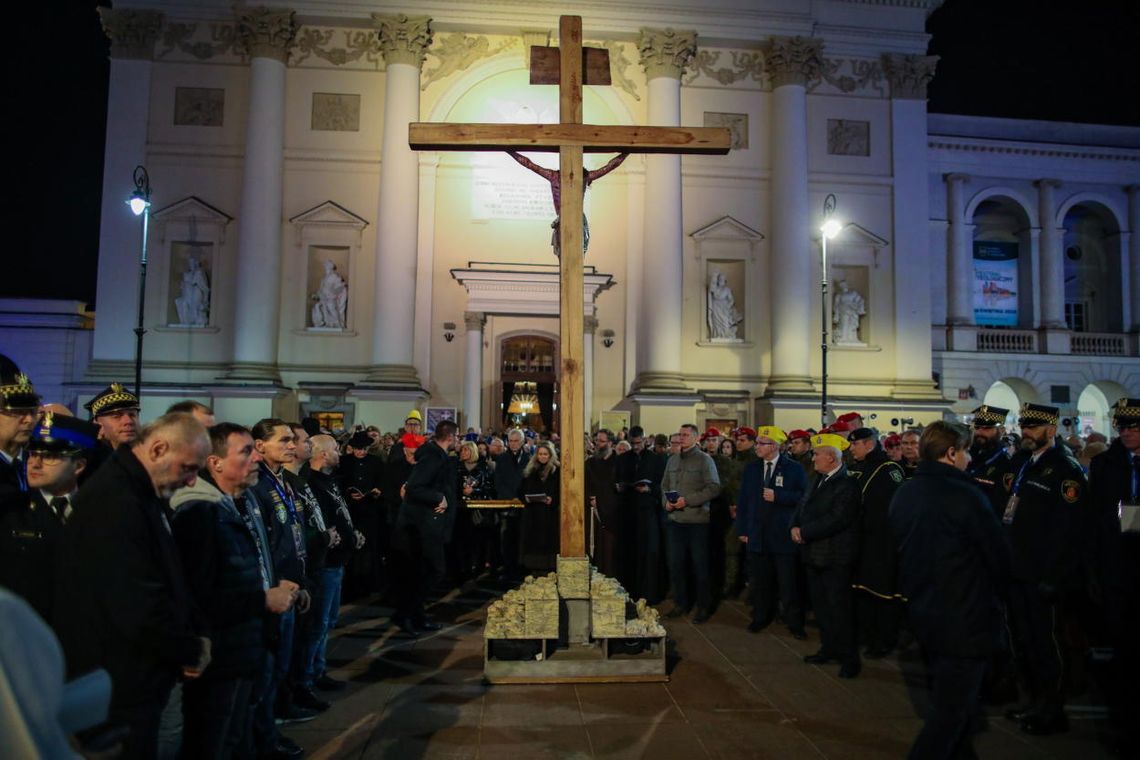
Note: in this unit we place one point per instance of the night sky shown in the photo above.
(1023, 59)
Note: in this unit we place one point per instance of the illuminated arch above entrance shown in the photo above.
(523, 288)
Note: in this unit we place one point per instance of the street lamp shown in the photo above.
(829, 229)
(140, 206)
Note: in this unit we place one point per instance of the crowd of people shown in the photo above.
(202, 564)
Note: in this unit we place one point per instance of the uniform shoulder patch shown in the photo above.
(1007, 481)
(1070, 491)
(896, 475)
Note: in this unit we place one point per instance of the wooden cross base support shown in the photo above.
(575, 625)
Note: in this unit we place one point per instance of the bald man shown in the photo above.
(122, 601)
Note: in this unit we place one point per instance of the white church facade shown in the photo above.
(303, 259)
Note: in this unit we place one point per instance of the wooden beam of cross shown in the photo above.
(570, 138)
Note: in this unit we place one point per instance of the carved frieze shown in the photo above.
(619, 64)
(199, 106)
(794, 60)
(318, 42)
(736, 123)
(132, 32)
(456, 52)
(743, 65)
(335, 112)
(666, 52)
(265, 32)
(909, 75)
(851, 75)
(848, 137)
(403, 39)
(198, 42)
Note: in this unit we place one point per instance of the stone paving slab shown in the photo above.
(732, 695)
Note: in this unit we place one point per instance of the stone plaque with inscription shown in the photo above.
(335, 112)
(199, 106)
(736, 123)
(846, 137)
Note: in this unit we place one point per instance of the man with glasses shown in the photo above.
(1044, 515)
(772, 486)
(19, 406)
(30, 527)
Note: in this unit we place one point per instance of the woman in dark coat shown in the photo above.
(476, 541)
(540, 520)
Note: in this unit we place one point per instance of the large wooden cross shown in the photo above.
(570, 138)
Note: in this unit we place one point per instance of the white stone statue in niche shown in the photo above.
(193, 301)
(847, 311)
(331, 300)
(723, 317)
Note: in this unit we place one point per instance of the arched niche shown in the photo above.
(1095, 297)
(1003, 258)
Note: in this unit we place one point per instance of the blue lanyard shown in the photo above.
(284, 492)
(1135, 477)
(1021, 474)
(994, 458)
(20, 465)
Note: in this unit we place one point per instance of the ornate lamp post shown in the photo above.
(140, 206)
(829, 229)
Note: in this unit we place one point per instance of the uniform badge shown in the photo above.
(1007, 481)
(1070, 491)
(896, 475)
(282, 514)
(779, 483)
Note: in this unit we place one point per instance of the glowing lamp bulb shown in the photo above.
(831, 228)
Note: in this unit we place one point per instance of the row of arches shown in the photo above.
(1093, 408)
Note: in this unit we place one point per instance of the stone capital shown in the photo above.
(132, 32)
(1044, 183)
(908, 75)
(403, 39)
(266, 32)
(666, 52)
(1132, 190)
(793, 60)
(590, 324)
(474, 320)
(955, 178)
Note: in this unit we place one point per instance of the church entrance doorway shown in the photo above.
(528, 383)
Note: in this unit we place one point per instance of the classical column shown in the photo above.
(473, 369)
(1134, 254)
(908, 76)
(960, 304)
(404, 42)
(1052, 258)
(591, 328)
(792, 62)
(132, 34)
(664, 53)
(266, 36)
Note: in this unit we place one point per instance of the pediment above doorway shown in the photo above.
(500, 288)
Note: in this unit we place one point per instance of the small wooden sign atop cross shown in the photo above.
(570, 138)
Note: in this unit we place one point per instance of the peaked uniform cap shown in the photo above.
(58, 432)
(1126, 412)
(859, 434)
(112, 399)
(1038, 414)
(989, 416)
(773, 433)
(829, 439)
(16, 391)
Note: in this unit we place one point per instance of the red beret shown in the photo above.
(747, 432)
(710, 433)
(848, 417)
(794, 434)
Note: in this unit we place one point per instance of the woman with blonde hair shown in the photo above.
(540, 519)
(476, 530)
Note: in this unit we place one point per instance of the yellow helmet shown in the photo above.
(414, 415)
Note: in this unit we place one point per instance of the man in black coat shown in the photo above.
(826, 525)
(19, 408)
(953, 571)
(509, 466)
(989, 458)
(1044, 516)
(224, 551)
(429, 493)
(876, 604)
(122, 602)
(642, 479)
(367, 489)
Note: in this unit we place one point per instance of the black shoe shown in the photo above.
(850, 669)
(799, 634)
(676, 612)
(701, 616)
(758, 625)
(1045, 723)
(325, 683)
(406, 626)
(285, 749)
(819, 658)
(296, 714)
(307, 699)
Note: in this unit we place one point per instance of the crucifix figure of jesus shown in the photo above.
(569, 138)
(554, 177)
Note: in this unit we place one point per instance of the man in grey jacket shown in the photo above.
(690, 483)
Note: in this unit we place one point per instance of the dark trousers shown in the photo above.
(770, 575)
(878, 621)
(143, 721)
(689, 542)
(649, 554)
(260, 727)
(322, 616)
(1036, 646)
(954, 689)
(831, 595)
(422, 563)
(214, 717)
(510, 536)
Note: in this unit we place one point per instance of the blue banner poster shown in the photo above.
(995, 284)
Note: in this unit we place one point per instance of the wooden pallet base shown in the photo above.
(595, 662)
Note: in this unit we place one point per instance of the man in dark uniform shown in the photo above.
(989, 458)
(799, 448)
(876, 605)
(361, 477)
(19, 407)
(909, 440)
(1043, 515)
(644, 470)
(745, 438)
(1114, 500)
(31, 525)
(116, 411)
